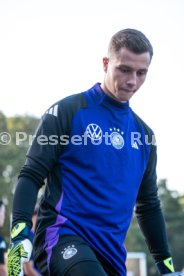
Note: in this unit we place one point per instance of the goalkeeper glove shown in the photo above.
(20, 249)
(165, 266)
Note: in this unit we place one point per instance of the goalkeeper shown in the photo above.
(98, 160)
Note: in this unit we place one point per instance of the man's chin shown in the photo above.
(125, 96)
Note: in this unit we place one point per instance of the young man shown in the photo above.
(99, 161)
(3, 268)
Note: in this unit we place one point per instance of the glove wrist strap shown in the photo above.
(20, 230)
(165, 266)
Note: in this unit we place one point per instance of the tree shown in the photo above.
(12, 156)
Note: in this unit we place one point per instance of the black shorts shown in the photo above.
(72, 256)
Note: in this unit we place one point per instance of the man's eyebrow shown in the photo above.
(124, 66)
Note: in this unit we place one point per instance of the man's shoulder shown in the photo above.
(73, 100)
(69, 104)
(147, 128)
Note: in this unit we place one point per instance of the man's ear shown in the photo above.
(105, 64)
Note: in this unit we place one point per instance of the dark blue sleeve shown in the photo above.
(149, 213)
(43, 155)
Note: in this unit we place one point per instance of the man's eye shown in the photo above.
(141, 73)
(124, 70)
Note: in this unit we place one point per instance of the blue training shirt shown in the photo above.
(96, 154)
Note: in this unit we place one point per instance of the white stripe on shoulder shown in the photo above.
(53, 110)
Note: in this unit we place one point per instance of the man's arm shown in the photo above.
(41, 158)
(150, 217)
(43, 155)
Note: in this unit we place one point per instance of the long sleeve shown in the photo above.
(149, 213)
(42, 156)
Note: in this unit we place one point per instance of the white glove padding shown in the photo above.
(18, 254)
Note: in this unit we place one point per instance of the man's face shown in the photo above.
(125, 72)
(2, 215)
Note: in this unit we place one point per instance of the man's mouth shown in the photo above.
(127, 90)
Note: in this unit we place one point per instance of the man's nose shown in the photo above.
(132, 80)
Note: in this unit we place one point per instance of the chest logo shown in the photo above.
(94, 132)
(117, 139)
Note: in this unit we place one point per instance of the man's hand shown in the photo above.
(166, 268)
(20, 249)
